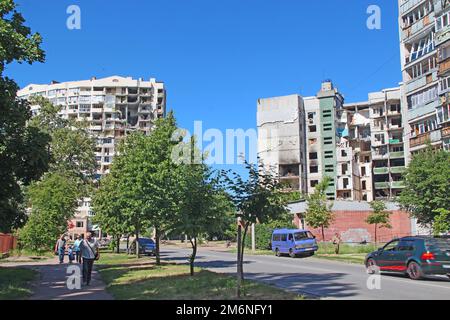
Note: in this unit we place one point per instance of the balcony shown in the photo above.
(418, 27)
(383, 170)
(397, 154)
(424, 138)
(445, 132)
(400, 169)
(381, 185)
(444, 66)
(408, 5)
(442, 36)
(397, 184)
(395, 141)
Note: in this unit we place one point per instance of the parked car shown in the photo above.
(146, 246)
(416, 256)
(293, 242)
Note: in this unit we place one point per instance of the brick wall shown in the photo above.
(352, 227)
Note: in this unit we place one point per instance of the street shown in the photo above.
(316, 277)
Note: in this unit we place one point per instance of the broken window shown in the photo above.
(313, 169)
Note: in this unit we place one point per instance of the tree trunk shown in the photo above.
(243, 248)
(323, 234)
(157, 240)
(128, 243)
(137, 242)
(193, 255)
(376, 234)
(118, 244)
(239, 277)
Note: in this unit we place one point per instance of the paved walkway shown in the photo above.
(52, 282)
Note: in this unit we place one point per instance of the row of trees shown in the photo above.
(47, 162)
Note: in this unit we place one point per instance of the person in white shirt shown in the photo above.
(89, 252)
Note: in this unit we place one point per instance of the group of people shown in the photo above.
(84, 250)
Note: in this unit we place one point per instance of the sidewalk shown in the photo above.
(51, 282)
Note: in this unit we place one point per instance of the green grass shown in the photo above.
(346, 257)
(128, 278)
(15, 283)
(328, 248)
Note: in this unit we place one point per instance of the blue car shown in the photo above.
(146, 246)
(293, 242)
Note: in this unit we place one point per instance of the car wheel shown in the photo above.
(371, 266)
(448, 275)
(414, 271)
(277, 252)
(292, 253)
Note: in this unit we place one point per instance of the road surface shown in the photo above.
(319, 278)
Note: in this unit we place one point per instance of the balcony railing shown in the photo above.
(383, 170)
(399, 169)
(381, 185)
(397, 184)
(446, 132)
(444, 66)
(397, 154)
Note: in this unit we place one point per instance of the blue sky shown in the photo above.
(217, 57)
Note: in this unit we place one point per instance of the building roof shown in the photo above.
(342, 205)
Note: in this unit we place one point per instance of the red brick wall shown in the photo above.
(352, 227)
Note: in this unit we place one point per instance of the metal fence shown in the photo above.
(7, 243)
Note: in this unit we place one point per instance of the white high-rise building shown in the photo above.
(112, 106)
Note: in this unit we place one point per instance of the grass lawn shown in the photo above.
(15, 283)
(128, 278)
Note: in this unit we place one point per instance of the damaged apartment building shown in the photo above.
(358, 145)
(112, 107)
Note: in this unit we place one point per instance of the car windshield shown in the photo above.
(145, 241)
(303, 235)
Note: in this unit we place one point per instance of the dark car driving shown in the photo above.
(146, 246)
(416, 256)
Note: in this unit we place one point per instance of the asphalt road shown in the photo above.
(317, 277)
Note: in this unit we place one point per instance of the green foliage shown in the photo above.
(441, 223)
(22, 149)
(318, 213)
(54, 201)
(263, 232)
(379, 216)
(427, 185)
(17, 43)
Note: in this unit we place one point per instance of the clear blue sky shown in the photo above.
(217, 57)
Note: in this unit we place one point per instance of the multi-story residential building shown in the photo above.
(303, 147)
(424, 26)
(281, 143)
(365, 158)
(112, 106)
(387, 143)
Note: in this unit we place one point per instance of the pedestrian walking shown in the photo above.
(89, 252)
(76, 248)
(337, 242)
(60, 248)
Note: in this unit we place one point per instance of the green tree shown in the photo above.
(318, 213)
(22, 149)
(441, 223)
(53, 201)
(201, 204)
(107, 212)
(426, 185)
(263, 231)
(257, 199)
(379, 217)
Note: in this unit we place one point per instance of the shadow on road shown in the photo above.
(323, 285)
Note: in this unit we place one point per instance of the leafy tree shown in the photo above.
(107, 212)
(318, 213)
(201, 204)
(426, 185)
(72, 148)
(53, 203)
(257, 200)
(22, 152)
(441, 224)
(379, 216)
